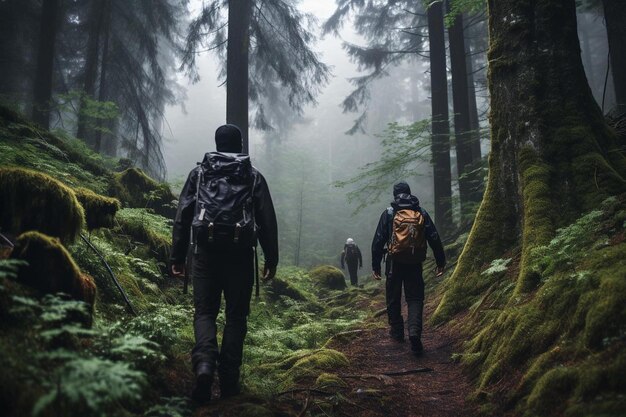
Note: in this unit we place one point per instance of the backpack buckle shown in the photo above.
(211, 227)
(237, 233)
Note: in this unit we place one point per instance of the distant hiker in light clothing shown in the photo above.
(351, 255)
(403, 230)
(225, 205)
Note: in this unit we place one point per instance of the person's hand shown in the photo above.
(376, 276)
(268, 273)
(439, 271)
(178, 270)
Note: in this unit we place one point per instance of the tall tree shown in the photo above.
(45, 62)
(552, 154)
(237, 52)
(277, 41)
(442, 176)
(615, 18)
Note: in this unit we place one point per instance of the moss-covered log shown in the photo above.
(99, 210)
(138, 190)
(552, 157)
(51, 268)
(33, 201)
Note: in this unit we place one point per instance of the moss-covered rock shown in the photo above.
(329, 277)
(99, 210)
(315, 362)
(327, 380)
(280, 287)
(147, 228)
(136, 189)
(51, 268)
(33, 201)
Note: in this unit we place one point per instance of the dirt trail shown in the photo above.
(440, 392)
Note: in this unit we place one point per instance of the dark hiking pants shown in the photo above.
(217, 271)
(353, 269)
(409, 276)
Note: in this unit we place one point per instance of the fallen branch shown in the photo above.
(384, 377)
(381, 312)
(113, 277)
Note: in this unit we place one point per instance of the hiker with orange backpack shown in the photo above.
(402, 233)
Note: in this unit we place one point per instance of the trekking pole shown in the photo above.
(117, 283)
(256, 272)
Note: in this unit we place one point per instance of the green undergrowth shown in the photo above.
(560, 350)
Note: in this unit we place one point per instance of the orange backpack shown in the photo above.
(408, 240)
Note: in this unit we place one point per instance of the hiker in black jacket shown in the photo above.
(351, 255)
(219, 267)
(399, 273)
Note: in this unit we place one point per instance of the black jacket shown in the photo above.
(404, 201)
(265, 218)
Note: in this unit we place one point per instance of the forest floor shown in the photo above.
(383, 379)
(386, 379)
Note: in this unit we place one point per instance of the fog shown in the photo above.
(309, 152)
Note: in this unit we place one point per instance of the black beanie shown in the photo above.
(228, 139)
(401, 188)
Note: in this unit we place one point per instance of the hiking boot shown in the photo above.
(416, 345)
(396, 336)
(204, 379)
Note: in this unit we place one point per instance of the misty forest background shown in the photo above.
(507, 119)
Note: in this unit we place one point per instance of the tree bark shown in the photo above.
(90, 74)
(440, 119)
(45, 62)
(615, 18)
(553, 156)
(468, 181)
(473, 107)
(237, 66)
(104, 61)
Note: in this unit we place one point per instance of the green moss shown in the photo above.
(312, 363)
(147, 228)
(280, 287)
(51, 268)
(328, 277)
(538, 226)
(99, 210)
(327, 380)
(551, 389)
(33, 201)
(136, 189)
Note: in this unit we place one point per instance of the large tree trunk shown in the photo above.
(237, 66)
(473, 107)
(45, 62)
(104, 64)
(552, 157)
(440, 124)
(90, 74)
(468, 183)
(615, 18)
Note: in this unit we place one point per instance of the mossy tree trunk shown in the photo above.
(552, 155)
(45, 62)
(239, 12)
(440, 119)
(468, 181)
(90, 72)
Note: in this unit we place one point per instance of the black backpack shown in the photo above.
(224, 212)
